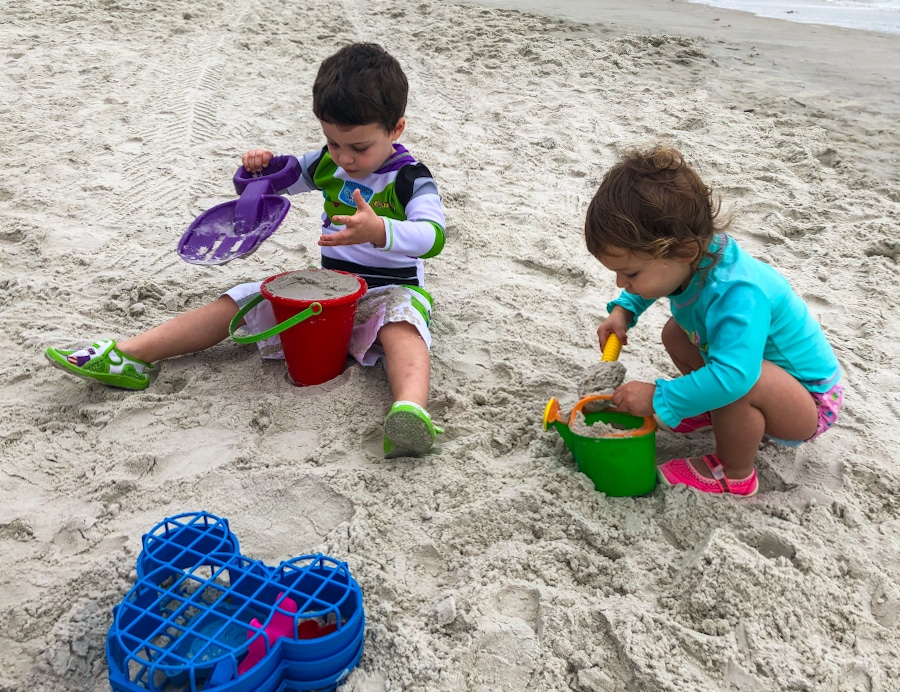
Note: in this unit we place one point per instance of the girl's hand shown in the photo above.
(635, 398)
(256, 159)
(617, 323)
(365, 226)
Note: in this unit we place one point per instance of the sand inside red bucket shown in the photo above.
(313, 284)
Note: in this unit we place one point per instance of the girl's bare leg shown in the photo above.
(777, 405)
(189, 332)
(682, 350)
(407, 362)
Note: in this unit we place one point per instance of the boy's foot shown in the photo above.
(408, 431)
(105, 363)
(683, 472)
(693, 424)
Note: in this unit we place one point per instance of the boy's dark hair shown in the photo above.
(360, 84)
(654, 203)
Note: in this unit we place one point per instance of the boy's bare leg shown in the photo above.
(189, 332)
(407, 362)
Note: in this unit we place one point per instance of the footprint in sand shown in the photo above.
(130, 146)
(523, 603)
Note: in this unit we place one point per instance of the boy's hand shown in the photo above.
(256, 159)
(365, 226)
(635, 398)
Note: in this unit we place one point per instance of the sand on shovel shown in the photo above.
(602, 378)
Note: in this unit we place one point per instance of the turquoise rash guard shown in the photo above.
(739, 312)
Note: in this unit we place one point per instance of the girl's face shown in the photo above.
(644, 276)
(362, 149)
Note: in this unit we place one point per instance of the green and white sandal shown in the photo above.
(104, 363)
(408, 431)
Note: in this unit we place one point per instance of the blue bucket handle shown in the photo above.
(313, 309)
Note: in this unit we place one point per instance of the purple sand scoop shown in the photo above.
(237, 228)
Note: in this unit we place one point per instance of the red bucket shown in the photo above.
(315, 329)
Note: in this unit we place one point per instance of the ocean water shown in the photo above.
(867, 15)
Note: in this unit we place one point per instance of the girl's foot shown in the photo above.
(104, 363)
(693, 424)
(683, 472)
(408, 431)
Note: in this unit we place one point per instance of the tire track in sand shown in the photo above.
(178, 115)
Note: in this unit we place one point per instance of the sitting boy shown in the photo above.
(382, 217)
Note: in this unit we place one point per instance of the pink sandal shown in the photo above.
(692, 424)
(682, 472)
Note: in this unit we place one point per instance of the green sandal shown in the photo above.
(408, 431)
(104, 363)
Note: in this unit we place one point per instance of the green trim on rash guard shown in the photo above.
(439, 239)
(406, 180)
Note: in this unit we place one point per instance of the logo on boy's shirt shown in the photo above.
(346, 194)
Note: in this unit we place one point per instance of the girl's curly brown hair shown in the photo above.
(652, 202)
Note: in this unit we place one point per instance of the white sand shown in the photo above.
(491, 564)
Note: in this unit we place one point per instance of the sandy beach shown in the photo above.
(490, 564)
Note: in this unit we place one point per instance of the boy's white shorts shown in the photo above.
(376, 308)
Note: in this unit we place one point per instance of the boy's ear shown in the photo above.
(398, 129)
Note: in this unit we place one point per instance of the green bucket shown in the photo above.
(622, 462)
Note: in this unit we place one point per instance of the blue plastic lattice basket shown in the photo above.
(200, 617)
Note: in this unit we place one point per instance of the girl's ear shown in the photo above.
(687, 252)
(398, 129)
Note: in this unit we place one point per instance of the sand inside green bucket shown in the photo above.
(313, 284)
(598, 429)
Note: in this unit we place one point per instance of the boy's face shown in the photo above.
(362, 149)
(642, 275)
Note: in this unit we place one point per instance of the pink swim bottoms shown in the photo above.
(829, 405)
